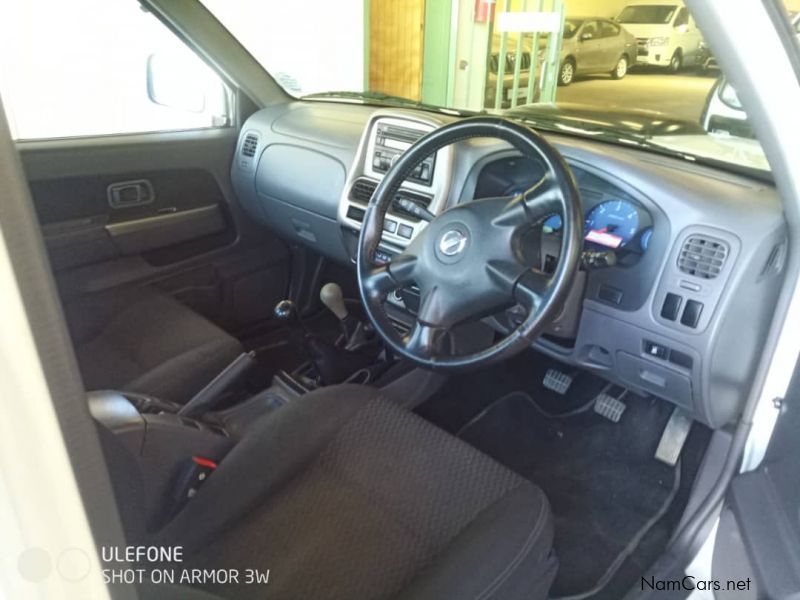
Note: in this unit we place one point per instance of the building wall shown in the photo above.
(594, 8)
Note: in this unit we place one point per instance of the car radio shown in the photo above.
(390, 142)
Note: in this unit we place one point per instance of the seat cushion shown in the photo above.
(342, 494)
(143, 341)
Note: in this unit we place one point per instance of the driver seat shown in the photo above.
(344, 495)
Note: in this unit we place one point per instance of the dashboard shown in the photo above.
(681, 263)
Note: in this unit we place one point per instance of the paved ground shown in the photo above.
(682, 96)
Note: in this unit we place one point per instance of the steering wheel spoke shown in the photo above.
(532, 290)
(540, 200)
(423, 340)
(383, 279)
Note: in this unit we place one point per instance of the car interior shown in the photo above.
(472, 357)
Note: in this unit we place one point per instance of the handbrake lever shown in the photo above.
(208, 398)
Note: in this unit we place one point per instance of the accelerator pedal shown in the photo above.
(674, 437)
(609, 407)
(557, 381)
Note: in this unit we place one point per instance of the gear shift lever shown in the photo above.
(331, 296)
(286, 312)
(355, 333)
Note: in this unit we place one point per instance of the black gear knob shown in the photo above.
(286, 311)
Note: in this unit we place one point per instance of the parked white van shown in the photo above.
(665, 32)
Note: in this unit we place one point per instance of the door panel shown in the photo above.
(759, 532)
(155, 209)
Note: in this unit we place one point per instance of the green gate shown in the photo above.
(518, 67)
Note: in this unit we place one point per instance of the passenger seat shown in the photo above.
(140, 340)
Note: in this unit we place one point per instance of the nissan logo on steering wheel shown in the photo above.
(452, 242)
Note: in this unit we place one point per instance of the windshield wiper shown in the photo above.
(390, 99)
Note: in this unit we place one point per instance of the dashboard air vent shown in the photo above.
(702, 257)
(362, 190)
(249, 145)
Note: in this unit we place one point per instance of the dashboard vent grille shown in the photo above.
(362, 190)
(703, 257)
(249, 145)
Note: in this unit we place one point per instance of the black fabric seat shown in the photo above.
(344, 495)
(140, 340)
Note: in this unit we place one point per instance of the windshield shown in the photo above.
(655, 15)
(622, 81)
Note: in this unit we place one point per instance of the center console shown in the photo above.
(384, 140)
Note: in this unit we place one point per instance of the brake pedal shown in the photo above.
(674, 437)
(557, 381)
(609, 407)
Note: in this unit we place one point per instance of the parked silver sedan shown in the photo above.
(593, 45)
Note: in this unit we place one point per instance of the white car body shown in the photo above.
(659, 43)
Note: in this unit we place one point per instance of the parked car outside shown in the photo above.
(594, 45)
(590, 45)
(666, 34)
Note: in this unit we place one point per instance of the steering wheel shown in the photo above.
(467, 262)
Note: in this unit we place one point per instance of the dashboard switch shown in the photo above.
(390, 226)
(405, 231)
(656, 350)
(609, 294)
(671, 307)
(691, 314)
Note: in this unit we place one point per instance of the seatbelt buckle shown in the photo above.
(189, 479)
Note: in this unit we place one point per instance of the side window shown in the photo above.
(608, 29)
(117, 70)
(682, 18)
(590, 31)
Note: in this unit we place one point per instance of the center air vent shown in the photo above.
(249, 145)
(703, 257)
(362, 190)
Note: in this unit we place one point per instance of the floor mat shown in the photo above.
(604, 485)
(466, 395)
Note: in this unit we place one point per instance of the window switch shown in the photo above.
(671, 306)
(691, 314)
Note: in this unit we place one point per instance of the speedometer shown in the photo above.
(612, 223)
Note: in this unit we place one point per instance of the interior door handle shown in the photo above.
(130, 193)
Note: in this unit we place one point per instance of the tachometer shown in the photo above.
(612, 224)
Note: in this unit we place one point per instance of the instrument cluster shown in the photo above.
(613, 221)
